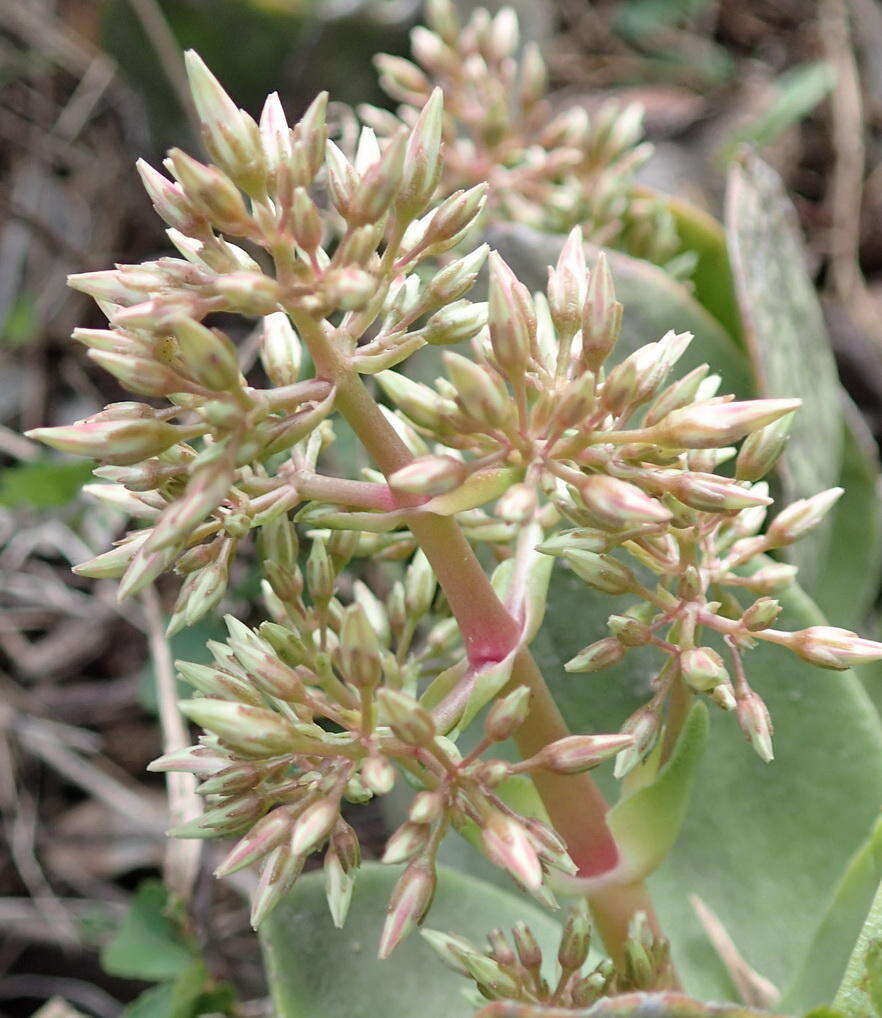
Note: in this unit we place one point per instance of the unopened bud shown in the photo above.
(508, 714)
(710, 425)
(405, 843)
(597, 656)
(602, 572)
(456, 323)
(577, 753)
(617, 504)
(760, 451)
(508, 845)
(761, 614)
(799, 518)
(410, 901)
(753, 717)
(601, 316)
(702, 668)
(412, 723)
(830, 647)
(429, 475)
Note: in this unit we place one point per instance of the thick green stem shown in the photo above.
(574, 803)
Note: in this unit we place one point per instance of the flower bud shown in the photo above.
(169, 201)
(120, 442)
(379, 184)
(339, 885)
(600, 571)
(410, 901)
(453, 217)
(617, 504)
(378, 775)
(508, 845)
(830, 647)
(269, 832)
(709, 425)
(359, 649)
(404, 843)
(577, 753)
(409, 721)
(597, 656)
(802, 516)
(211, 192)
(427, 807)
(575, 940)
(314, 825)
(629, 631)
(761, 615)
(456, 323)
(753, 717)
(760, 451)
(429, 476)
(209, 357)
(254, 731)
(702, 668)
(768, 579)
(709, 493)
(601, 316)
(479, 395)
(566, 286)
(518, 505)
(529, 952)
(456, 278)
(507, 715)
(643, 725)
(422, 164)
(512, 319)
(419, 586)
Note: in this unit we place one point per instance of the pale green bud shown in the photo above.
(618, 504)
(253, 731)
(507, 715)
(600, 571)
(709, 425)
(802, 516)
(429, 475)
(577, 753)
(409, 721)
(508, 845)
(597, 656)
(702, 668)
(753, 717)
(404, 843)
(829, 647)
(761, 450)
(410, 901)
(456, 323)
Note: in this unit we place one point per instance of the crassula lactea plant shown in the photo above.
(535, 444)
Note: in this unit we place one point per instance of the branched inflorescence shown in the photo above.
(550, 170)
(516, 971)
(325, 703)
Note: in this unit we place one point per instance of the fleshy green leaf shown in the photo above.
(824, 965)
(43, 484)
(795, 94)
(314, 969)
(785, 336)
(858, 995)
(761, 844)
(711, 278)
(849, 573)
(149, 944)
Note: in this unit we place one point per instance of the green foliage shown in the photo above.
(44, 484)
(761, 844)
(795, 94)
(151, 946)
(315, 969)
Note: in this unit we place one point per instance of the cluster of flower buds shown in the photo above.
(627, 459)
(317, 708)
(199, 470)
(548, 170)
(515, 971)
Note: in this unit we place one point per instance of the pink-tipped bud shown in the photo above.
(429, 475)
(512, 318)
(404, 843)
(601, 316)
(617, 504)
(251, 730)
(830, 647)
(602, 572)
(597, 656)
(710, 425)
(761, 614)
(761, 450)
(709, 493)
(314, 825)
(566, 286)
(409, 904)
(508, 845)
(263, 837)
(412, 723)
(753, 717)
(118, 442)
(799, 518)
(703, 669)
(578, 753)
(507, 715)
(378, 775)
(422, 163)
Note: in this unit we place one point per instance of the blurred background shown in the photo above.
(86, 87)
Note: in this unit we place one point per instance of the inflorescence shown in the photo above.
(535, 441)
